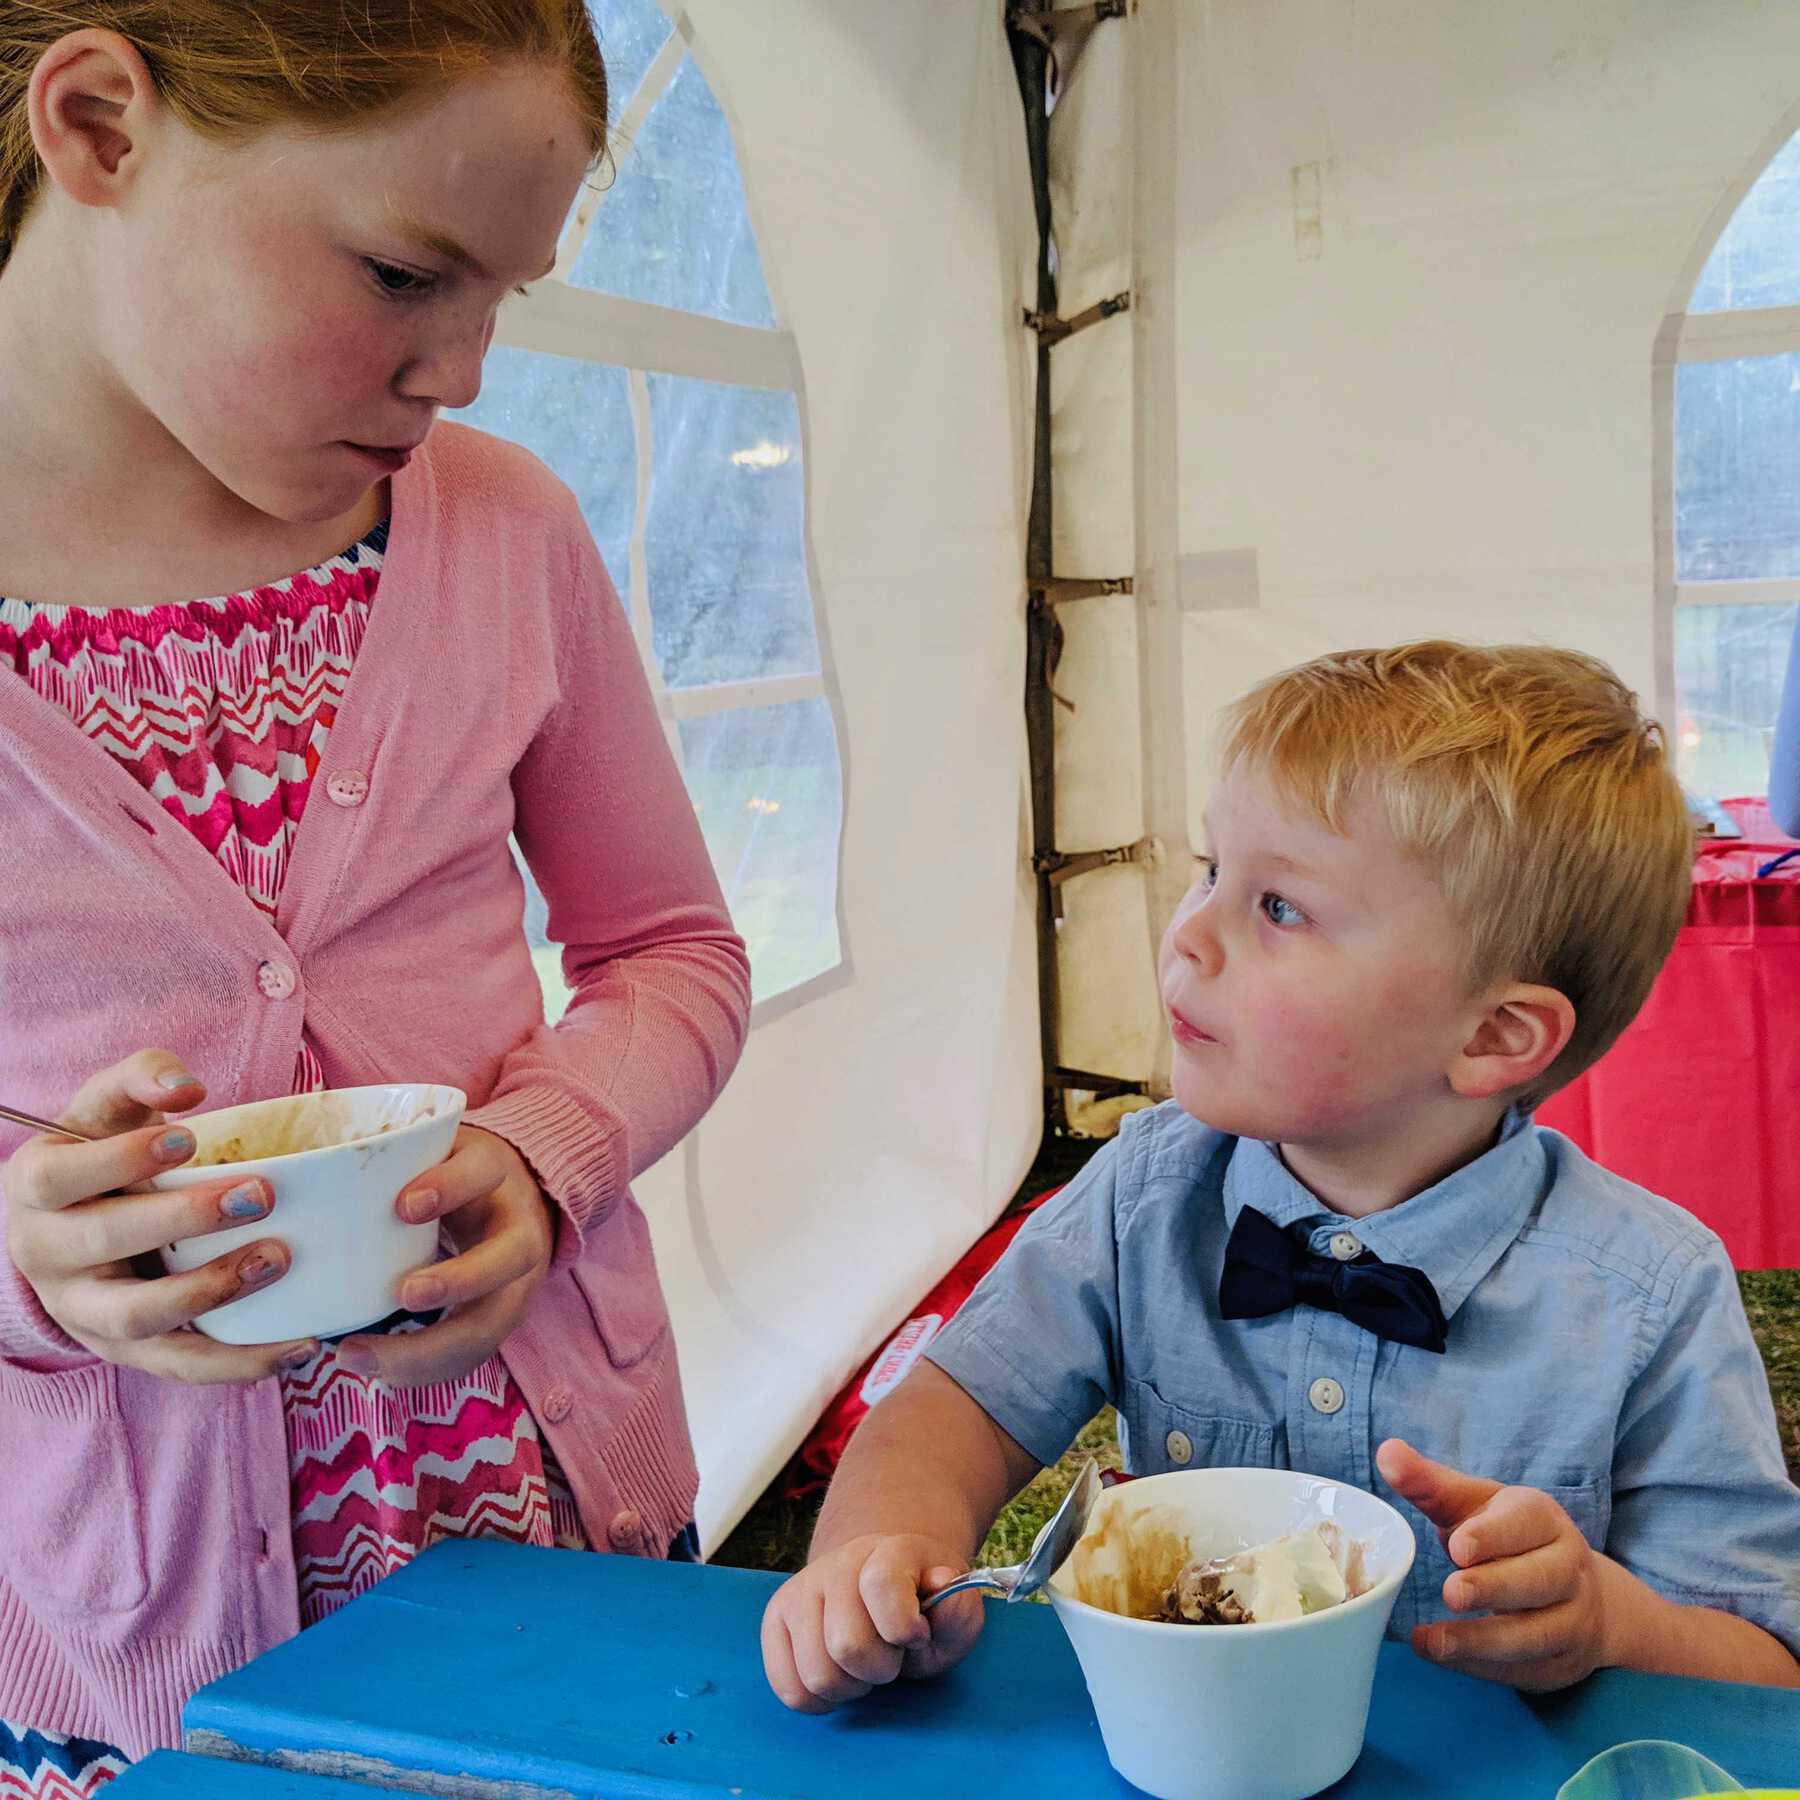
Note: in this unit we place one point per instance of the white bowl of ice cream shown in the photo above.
(336, 1162)
(1275, 1707)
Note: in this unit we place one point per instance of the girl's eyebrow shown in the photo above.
(442, 244)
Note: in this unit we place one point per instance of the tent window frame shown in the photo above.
(557, 317)
(1689, 338)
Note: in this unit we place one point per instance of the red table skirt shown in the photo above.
(1699, 1101)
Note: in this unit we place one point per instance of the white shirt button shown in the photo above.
(1180, 1447)
(276, 980)
(349, 787)
(1326, 1395)
(1344, 1247)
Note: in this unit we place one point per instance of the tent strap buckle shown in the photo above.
(1052, 330)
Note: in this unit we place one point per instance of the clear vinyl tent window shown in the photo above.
(1736, 487)
(653, 374)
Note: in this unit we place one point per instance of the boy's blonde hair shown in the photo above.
(231, 68)
(1527, 781)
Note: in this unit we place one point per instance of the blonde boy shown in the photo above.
(1439, 882)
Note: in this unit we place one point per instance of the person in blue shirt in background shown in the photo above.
(1784, 760)
(1439, 882)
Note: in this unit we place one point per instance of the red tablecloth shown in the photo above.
(1700, 1099)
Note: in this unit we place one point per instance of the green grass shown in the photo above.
(1010, 1540)
(774, 1534)
(1772, 1299)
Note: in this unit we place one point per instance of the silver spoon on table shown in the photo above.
(34, 1123)
(1061, 1532)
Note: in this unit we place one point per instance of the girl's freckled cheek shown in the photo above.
(291, 371)
(254, 373)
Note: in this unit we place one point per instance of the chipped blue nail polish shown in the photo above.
(247, 1202)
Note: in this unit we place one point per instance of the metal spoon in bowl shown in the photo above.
(1059, 1536)
(34, 1123)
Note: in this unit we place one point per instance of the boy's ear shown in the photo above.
(1522, 1032)
(92, 99)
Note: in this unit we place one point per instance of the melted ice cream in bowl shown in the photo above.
(1227, 1622)
(337, 1162)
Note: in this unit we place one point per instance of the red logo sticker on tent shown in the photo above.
(903, 1349)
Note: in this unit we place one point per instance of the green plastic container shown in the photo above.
(1649, 1769)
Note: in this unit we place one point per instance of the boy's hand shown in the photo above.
(851, 1621)
(1518, 1556)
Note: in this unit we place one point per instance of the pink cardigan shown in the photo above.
(144, 1525)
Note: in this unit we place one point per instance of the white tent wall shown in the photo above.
(881, 1118)
(1424, 255)
(1398, 273)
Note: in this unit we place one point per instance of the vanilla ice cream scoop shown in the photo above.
(1283, 1579)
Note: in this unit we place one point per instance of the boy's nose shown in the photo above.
(1194, 939)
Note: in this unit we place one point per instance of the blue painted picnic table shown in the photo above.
(168, 1775)
(491, 1670)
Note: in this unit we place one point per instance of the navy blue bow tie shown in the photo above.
(1267, 1270)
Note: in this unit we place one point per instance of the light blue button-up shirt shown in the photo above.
(1597, 1349)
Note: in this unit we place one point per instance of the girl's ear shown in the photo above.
(1520, 1035)
(93, 108)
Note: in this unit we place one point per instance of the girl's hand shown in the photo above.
(503, 1227)
(1520, 1559)
(84, 1245)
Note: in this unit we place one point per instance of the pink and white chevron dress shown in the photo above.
(221, 709)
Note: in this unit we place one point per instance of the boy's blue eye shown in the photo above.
(1209, 871)
(402, 284)
(1281, 912)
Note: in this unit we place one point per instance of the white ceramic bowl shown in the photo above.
(1223, 1712)
(336, 1161)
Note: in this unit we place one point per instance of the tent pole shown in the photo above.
(1043, 638)
(1034, 31)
